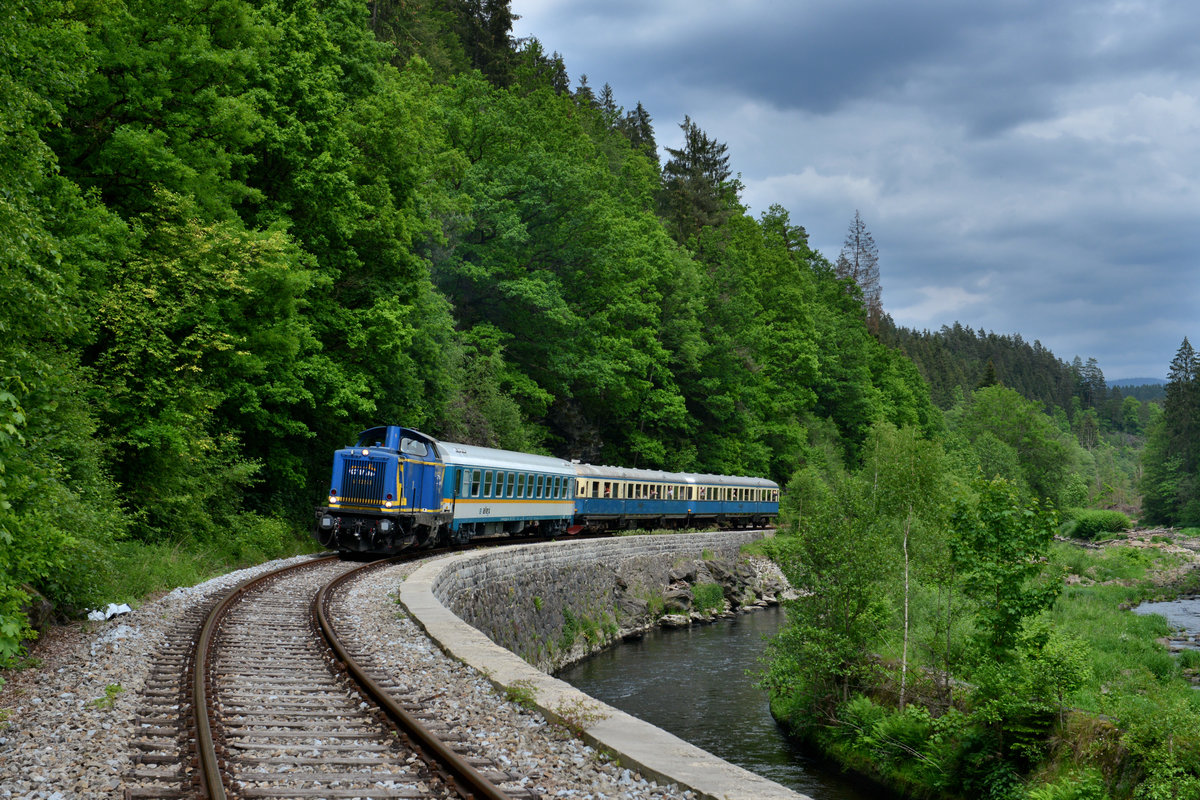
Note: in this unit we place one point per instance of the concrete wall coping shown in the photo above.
(655, 753)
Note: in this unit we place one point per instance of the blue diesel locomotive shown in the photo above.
(397, 488)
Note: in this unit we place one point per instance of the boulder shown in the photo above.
(677, 600)
(37, 608)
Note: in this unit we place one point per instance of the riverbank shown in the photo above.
(1096, 705)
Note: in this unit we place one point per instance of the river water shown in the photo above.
(1182, 615)
(693, 683)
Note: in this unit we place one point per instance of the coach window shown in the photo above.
(487, 483)
(520, 484)
(512, 481)
(476, 476)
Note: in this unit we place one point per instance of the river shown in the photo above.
(693, 683)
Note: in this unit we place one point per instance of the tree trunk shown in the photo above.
(904, 651)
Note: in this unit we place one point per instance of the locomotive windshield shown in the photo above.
(374, 437)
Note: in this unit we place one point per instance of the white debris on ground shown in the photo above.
(112, 610)
(66, 722)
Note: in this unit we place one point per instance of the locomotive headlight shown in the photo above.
(332, 499)
(388, 504)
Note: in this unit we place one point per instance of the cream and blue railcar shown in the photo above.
(616, 498)
(489, 492)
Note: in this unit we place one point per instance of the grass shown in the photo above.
(110, 696)
(521, 692)
(139, 569)
(708, 597)
(1129, 564)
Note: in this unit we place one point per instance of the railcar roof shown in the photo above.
(630, 474)
(474, 456)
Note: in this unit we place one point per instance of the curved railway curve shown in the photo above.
(275, 704)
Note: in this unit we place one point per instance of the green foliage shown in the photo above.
(822, 654)
(571, 629)
(1162, 734)
(110, 696)
(1015, 440)
(522, 693)
(1000, 547)
(708, 597)
(1085, 784)
(1093, 522)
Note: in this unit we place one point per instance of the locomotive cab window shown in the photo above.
(413, 447)
(372, 438)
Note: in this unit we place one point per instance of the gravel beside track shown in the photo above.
(70, 719)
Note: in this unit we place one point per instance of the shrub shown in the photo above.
(1093, 522)
(708, 597)
(1085, 785)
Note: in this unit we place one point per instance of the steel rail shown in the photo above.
(469, 781)
(211, 784)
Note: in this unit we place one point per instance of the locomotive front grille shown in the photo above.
(362, 482)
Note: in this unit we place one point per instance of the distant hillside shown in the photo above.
(1143, 391)
(1123, 382)
(957, 357)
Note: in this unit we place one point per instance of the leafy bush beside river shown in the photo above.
(1082, 703)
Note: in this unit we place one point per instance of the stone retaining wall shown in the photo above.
(554, 603)
(482, 581)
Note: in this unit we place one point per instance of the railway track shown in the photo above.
(258, 697)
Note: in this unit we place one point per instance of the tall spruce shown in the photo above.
(1171, 478)
(698, 190)
(859, 262)
(1182, 406)
(638, 128)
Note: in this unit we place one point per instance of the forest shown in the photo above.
(236, 232)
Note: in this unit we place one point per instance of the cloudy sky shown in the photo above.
(1024, 166)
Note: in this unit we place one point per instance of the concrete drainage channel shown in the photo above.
(657, 754)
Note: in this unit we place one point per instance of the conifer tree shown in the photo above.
(698, 190)
(638, 129)
(1171, 479)
(1181, 409)
(859, 262)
